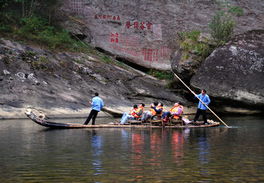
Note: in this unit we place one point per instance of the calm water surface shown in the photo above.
(32, 153)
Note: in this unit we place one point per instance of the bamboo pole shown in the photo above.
(200, 99)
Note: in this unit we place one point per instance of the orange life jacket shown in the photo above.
(175, 110)
(153, 112)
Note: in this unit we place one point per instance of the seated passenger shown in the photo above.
(175, 112)
(132, 115)
(154, 109)
(140, 109)
(158, 110)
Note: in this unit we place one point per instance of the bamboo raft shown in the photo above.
(39, 118)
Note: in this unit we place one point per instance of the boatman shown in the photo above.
(201, 107)
(97, 104)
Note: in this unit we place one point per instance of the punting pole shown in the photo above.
(200, 99)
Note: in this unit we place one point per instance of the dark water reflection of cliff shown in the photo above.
(31, 153)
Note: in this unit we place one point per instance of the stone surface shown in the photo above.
(185, 68)
(47, 80)
(235, 71)
(144, 32)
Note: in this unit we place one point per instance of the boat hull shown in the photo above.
(40, 120)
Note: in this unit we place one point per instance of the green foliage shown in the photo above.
(192, 35)
(161, 74)
(32, 25)
(106, 59)
(190, 44)
(3, 4)
(37, 29)
(30, 20)
(222, 23)
(5, 28)
(41, 64)
(7, 20)
(29, 54)
(221, 27)
(236, 10)
(27, 8)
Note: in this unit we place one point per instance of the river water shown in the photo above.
(32, 153)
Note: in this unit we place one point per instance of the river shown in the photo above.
(32, 153)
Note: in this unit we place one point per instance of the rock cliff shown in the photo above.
(235, 71)
(31, 76)
(144, 32)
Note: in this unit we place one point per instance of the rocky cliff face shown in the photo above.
(235, 71)
(144, 32)
(30, 76)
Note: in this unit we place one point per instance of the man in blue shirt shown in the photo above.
(201, 107)
(97, 105)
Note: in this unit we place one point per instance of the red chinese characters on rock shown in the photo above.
(107, 17)
(77, 6)
(129, 41)
(142, 26)
(154, 55)
(149, 25)
(136, 25)
(128, 24)
(150, 54)
(123, 40)
(164, 53)
(114, 37)
(139, 25)
(128, 51)
(131, 45)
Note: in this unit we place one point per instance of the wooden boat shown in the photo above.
(39, 118)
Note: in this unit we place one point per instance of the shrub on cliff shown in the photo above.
(222, 23)
(221, 26)
(191, 44)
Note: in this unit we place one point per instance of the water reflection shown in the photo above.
(137, 148)
(203, 148)
(177, 141)
(31, 154)
(96, 144)
(157, 146)
(156, 138)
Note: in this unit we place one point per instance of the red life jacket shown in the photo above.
(133, 112)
